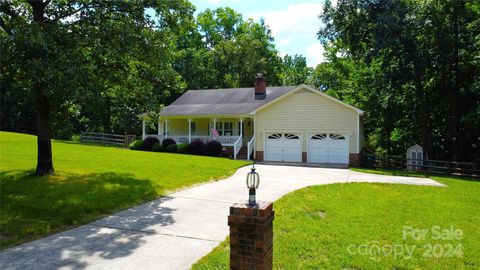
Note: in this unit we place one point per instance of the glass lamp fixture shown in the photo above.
(253, 180)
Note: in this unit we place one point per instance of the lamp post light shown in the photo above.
(251, 230)
(253, 180)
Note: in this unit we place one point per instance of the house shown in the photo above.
(283, 124)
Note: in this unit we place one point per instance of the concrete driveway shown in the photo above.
(177, 230)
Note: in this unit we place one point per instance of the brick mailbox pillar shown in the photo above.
(251, 236)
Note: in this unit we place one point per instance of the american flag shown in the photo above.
(214, 133)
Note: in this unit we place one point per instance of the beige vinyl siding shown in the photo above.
(306, 112)
(179, 126)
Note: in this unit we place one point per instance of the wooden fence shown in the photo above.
(93, 137)
(429, 166)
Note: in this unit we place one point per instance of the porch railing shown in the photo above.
(237, 146)
(250, 146)
(159, 137)
(224, 140)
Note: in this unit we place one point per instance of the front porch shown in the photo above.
(236, 133)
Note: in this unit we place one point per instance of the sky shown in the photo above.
(294, 24)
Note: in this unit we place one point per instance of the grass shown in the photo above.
(90, 182)
(394, 172)
(314, 227)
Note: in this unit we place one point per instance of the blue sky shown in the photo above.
(294, 24)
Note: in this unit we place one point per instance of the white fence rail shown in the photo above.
(95, 137)
(250, 147)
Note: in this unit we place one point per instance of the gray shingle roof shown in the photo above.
(222, 101)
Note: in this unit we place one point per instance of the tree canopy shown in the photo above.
(413, 66)
(85, 64)
(71, 66)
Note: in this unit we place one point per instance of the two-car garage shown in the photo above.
(326, 148)
(308, 126)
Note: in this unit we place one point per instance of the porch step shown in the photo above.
(242, 154)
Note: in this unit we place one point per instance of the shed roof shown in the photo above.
(414, 146)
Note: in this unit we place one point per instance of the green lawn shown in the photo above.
(90, 181)
(340, 226)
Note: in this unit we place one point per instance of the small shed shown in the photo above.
(414, 157)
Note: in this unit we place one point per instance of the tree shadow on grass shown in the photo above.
(33, 207)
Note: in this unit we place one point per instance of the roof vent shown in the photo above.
(260, 87)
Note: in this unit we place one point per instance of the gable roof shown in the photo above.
(222, 101)
(311, 89)
(234, 101)
(414, 146)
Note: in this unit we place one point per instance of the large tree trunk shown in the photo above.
(44, 144)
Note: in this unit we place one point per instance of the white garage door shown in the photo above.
(283, 147)
(328, 148)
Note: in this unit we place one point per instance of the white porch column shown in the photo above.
(143, 129)
(254, 135)
(159, 127)
(189, 130)
(241, 127)
(166, 128)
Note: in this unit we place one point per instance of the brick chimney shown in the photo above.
(260, 87)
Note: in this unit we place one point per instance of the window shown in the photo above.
(223, 128)
(319, 137)
(227, 129)
(336, 137)
(291, 136)
(193, 127)
(275, 136)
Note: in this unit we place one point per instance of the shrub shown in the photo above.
(76, 137)
(136, 145)
(157, 147)
(213, 148)
(226, 153)
(172, 148)
(197, 147)
(182, 148)
(148, 143)
(166, 142)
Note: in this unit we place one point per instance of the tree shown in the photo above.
(411, 65)
(222, 50)
(295, 70)
(60, 47)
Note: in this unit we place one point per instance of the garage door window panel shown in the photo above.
(319, 137)
(275, 136)
(336, 137)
